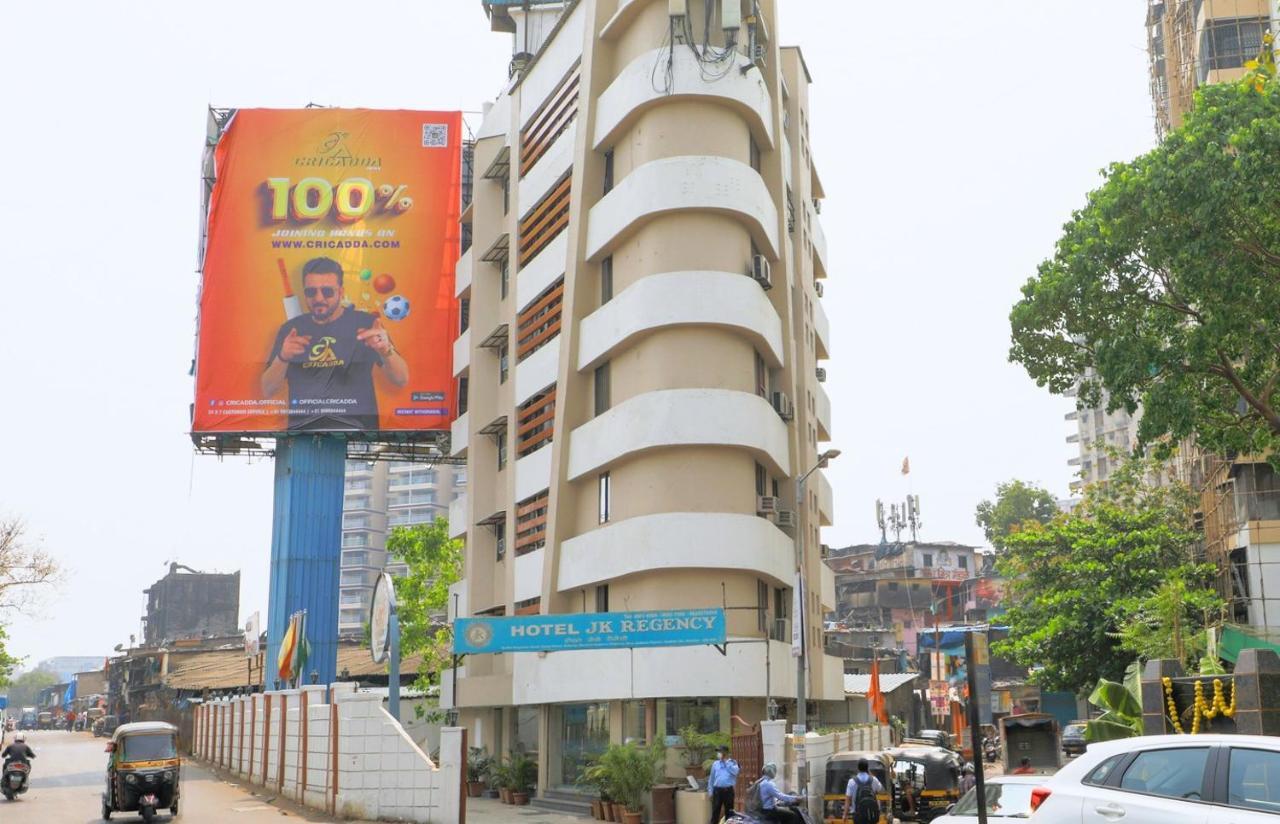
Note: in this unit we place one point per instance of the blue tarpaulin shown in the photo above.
(69, 696)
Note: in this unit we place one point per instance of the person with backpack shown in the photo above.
(861, 796)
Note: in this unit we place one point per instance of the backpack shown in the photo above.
(866, 807)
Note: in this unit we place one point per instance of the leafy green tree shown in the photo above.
(1016, 503)
(434, 561)
(1164, 290)
(1077, 582)
(24, 689)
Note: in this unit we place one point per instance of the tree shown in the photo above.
(422, 595)
(1163, 291)
(25, 569)
(1016, 503)
(24, 689)
(1079, 581)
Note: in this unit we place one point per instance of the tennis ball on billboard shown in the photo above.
(396, 307)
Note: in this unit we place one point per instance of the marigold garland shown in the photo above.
(1202, 707)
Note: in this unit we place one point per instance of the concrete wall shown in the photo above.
(348, 758)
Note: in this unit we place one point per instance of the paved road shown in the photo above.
(68, 777)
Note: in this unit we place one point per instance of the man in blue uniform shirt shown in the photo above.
(772, 799)
(724, 775)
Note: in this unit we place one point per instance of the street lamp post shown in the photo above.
(800, 727)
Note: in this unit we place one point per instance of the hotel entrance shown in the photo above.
(578, 733)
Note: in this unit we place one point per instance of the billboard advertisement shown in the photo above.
(327, 290)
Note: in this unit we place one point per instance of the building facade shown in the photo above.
(187, 603)
(378, 496)
(640, 371)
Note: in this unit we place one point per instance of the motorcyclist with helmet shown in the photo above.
(18, 751)
(772, 799)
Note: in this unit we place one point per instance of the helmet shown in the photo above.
(19, 738)
(771, 769)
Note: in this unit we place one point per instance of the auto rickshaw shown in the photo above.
(841, 767)
(143, 770)
(928, 780)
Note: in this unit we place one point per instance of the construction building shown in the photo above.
(187, 603)
(640, 371)
(1192, 43)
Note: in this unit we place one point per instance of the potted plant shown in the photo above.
(699, 749)
(491, 778)
(524, 778)
(595, 779)
(477, 770)
(502, 779)
(632, 771)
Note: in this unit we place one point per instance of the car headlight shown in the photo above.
(130, 778)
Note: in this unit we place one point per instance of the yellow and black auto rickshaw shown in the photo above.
(928, 780)
(841, 767)
(143, 770)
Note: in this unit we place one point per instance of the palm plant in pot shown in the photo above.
(700, 749)
(524, 778)
(595, 779)
(501, 776)
(478, 762)
(632, 771)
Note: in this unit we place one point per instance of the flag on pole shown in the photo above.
(875, 698)
(906, 466)
(288, 650)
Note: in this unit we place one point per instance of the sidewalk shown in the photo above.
(493, 811)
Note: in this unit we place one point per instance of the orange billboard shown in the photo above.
(327, 293)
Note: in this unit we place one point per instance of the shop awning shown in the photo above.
(1234, 640)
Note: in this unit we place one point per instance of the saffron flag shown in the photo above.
(288, 651)
(875, 698)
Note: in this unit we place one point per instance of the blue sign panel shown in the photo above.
(589, 630)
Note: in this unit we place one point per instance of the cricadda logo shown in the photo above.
(333, 151)
(322, 355)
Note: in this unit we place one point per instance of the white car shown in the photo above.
(1166, 779)
(1008, 796)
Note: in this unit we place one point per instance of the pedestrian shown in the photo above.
(724, 775)
(1024, 767)
(861, 802)
(967, 780)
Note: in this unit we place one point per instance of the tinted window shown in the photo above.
(1254, 780)
(1173, 773)
(1103, 771)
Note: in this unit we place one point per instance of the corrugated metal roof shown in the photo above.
(860, 684)
(226, 669)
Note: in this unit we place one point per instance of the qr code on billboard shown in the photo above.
(435, 135)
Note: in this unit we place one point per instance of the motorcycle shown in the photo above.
(14, 781)
(758, 817)
(991, 750)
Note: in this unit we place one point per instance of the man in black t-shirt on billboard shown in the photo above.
(327, 357)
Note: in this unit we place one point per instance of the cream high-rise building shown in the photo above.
(641, 370)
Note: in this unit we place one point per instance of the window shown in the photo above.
(762, 480)
(635, 727)
(1253, 781)
(608, 171)
(928, 559)
(762, 377)
(504, 363)
(779, 629)
(464, 384)
(360, 502)
(501, 438)
(506, 194)
(1228, 43)
(602, 598)
(504, 278)
(702, 713)
(606, 280)
(753, 154)
(762, 605)
(602, 388)
(500, 539)
(963, 562)
(355, 559)
(606, 496)
(1171, 773)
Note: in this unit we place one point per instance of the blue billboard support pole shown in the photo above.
(306, 547)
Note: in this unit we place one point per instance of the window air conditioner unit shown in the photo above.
(766, 504)
(817, 288)
(677, 8)
(760, 271)
(782, 404)
(821, 373)
(786, 519)
(825, 550)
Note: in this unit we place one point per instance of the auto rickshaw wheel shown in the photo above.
(174, 809)
(106, 812)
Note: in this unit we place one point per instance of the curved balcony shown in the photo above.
(680, 417)
(634, 91)
(675, 184)
(693, 298)
(677, 541)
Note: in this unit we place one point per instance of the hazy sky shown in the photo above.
(953, 141)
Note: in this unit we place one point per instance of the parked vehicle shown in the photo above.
(109, 724)
(1164, 779)
(44, 721)
(928, 780)
(143, 771)
(1033, 736)
(991, 749)
(1007, 796)
(841, 767)
(29, 719)
(1073, 742)
(13, 782)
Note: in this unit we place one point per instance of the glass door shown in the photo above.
(579, 733)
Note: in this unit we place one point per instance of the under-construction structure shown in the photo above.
(189, 604)
(1192, 43)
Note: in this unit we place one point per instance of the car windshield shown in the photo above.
(1074, 729)
(154, 747)
(1003, 801)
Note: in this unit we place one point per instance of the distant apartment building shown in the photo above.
(1102, 437)
(378, 496)
(187, 603)
(641, 369)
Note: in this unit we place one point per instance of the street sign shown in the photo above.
(588, 630)
(384, 596)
